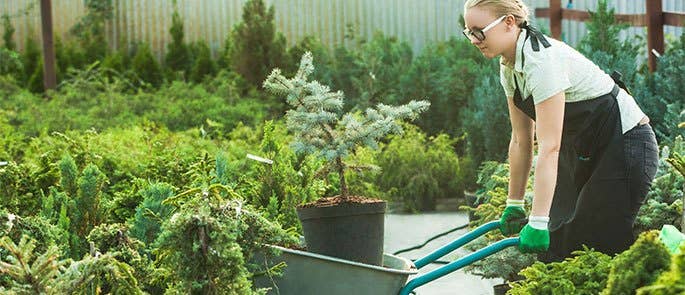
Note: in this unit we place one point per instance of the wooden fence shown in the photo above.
(654, 19)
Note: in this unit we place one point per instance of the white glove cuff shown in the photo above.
(538, 222)
(517, 203)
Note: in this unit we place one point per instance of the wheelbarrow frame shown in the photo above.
(307, 273)
(461, 262)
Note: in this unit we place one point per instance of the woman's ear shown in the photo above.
(510, 21)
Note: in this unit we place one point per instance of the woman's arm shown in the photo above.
(520, 151)
(549, 125)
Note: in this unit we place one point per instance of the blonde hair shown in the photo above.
(502, 7)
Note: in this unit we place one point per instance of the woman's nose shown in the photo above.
(474, 40)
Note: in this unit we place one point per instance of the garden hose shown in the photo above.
(430, 240)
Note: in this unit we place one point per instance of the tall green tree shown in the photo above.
(146, 66)
(256, 47)
(178, 57)
(90, 30)
(8, 33)
(31, 59)
(602, 31)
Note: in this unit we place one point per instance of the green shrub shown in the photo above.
(286, 183)
(68, 56)
(445, 74)
(584, 274)
(324, 71)
(638, 266)
(670, 282)
(41, 230)
(12, 142)
(32, 61)
(150, 213)
(86, 212)
(9, 86)
(10, 63)
(209, 231)
(346, 66)
(365, 181)
(91, 99)
(186, 106)
(509, 262)
(668, 94)
(660, 93)
(115, 240)
(382, 62)
(36, 80)
(417, 170)
(203, 65)
(147, 68)
(664, 201)
(104, 273)
(486, 120)
(117, 64)
(17, 190)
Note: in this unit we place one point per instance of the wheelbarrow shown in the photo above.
(309, 273)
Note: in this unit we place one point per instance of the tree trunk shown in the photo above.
(341, 173)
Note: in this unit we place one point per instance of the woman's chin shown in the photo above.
(487, 53)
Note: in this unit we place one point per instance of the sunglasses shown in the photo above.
(480, 34)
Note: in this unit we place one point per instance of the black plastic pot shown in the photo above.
(351, 231)
(471, 201)
(501, 289)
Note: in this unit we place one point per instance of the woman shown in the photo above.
(597, 154)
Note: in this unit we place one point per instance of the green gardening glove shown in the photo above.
(534, 237)
(513, 218)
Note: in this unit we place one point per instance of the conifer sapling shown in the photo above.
(319, 126)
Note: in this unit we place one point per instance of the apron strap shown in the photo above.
(617, 77)
(536, 37)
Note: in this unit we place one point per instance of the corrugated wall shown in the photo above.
(417, 22)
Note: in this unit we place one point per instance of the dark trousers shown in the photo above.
(600, 212)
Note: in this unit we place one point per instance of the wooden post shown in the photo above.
(555, 18)
(49, 76)
(655, 31)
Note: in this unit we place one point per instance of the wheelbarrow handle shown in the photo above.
(461, 262)
(461, 241)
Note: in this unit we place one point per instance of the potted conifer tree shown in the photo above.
(344, 226)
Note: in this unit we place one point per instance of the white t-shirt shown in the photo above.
(561, 68)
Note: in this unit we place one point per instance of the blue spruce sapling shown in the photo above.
(321, 128)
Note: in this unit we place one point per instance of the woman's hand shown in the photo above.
(513, 218)
(534, 237)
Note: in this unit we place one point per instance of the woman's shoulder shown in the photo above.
(543, 55)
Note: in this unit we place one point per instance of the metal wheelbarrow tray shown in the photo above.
(313, 274)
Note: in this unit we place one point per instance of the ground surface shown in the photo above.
(407, 230)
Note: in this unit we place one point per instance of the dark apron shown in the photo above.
(591, 204)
